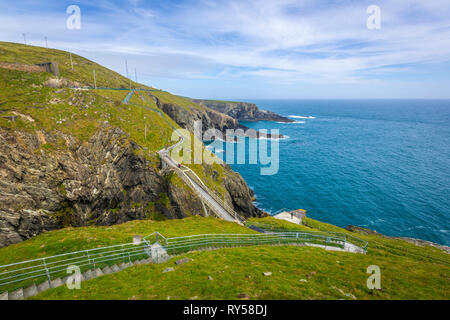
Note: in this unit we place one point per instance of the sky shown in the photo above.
(254, 49)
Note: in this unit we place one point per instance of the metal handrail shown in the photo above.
(349, 238)
(49, 268)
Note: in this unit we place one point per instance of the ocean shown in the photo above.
(379, 164)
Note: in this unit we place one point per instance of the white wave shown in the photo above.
(295, 122)
(265, 138)
(302, 117)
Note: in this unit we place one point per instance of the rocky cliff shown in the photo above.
(81, 157)
(102, 182)
(242, 111)
(210, 118)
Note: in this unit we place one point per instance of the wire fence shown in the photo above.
(269, 228)
(47, 269)
(179, 245)
(37, 271)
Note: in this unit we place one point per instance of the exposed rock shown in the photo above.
(239, 196)
(182, 261)
(242, 111)
(61, 83)
(345, 294)
(103, 182)
(267, 274)
(417, 242)
(211, 119)
(168, 269)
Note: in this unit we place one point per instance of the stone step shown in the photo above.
(88, 275)
(16, 295)
(30, 291)
(115, 268)
(107, 270)
(4, 295)
(43, 286)
(56, 283)
(138, 262)
(123, 266)
(98, 272)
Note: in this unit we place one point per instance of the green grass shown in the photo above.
(75, 239)
(239, 271)
(416, 273)
(80, 113)
(83, 68)
(166, 97)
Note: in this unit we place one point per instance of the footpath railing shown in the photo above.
(20, 274)
(219, 201)
(179, 245)
(47, 269)
(268, 228)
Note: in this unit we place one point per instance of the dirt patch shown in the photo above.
(22, 67)
(62, 83)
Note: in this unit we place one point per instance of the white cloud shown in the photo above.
(284, 40)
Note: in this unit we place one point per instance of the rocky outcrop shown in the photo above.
(49, 181)
(417, 242)
(241, 195)
(103, 182)
(185, 118)
(242, 111)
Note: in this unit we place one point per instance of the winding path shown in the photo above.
(200, 188)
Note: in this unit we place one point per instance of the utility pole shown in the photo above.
(24, 38)
(126, 65)
(135, 74)
(46, 43)
(95, 81)
(71, 62)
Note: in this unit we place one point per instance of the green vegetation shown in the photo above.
(238, 272)
(80, 113)
(166, 97)
(75, 239)
(26, 104)
(83, 68)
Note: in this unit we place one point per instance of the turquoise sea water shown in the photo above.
(380, 164)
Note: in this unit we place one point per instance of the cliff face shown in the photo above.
(242, 111)
(82, 157)
(185, 118)
(102, 182)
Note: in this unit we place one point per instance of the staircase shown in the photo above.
(128, 97)
(24, 293)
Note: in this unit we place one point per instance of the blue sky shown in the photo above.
(256, 48)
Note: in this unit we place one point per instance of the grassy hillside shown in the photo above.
(83, 68)
(75, 239)
(35, 106)
(407, 271)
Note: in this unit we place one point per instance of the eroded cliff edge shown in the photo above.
(242, 111)
(102, 182)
